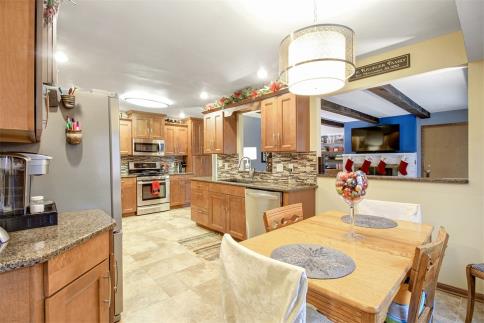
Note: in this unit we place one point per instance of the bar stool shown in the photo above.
(473, 271)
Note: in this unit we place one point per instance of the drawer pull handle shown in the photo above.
(108, 301)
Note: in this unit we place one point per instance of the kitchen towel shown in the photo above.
(155, 188)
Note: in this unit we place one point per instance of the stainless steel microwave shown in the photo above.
(148, 147)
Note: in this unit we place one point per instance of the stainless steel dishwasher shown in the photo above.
(256, 203)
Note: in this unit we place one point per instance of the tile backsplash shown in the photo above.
(164, 160)
(304, 168)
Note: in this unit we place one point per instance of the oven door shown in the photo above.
(148, 147)
(145, 196)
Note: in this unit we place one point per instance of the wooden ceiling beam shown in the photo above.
(347, 112)
(393, 95)
(332, 123)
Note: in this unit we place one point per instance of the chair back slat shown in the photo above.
(283, 216)
(425, 272)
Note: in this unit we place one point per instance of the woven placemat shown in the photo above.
(318, 261)
(370, 221)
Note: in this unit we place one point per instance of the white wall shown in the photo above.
(457, 207)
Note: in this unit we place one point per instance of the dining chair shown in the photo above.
(392, 210)
(256, 288)
(283, 216)
(414, 301)
(473, 271)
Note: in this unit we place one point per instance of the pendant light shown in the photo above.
(317, 59)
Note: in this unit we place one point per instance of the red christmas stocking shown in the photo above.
(349, 165)
(366, 166)
(381, 168)
(402, 168)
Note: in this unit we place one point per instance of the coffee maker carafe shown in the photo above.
(16, 170)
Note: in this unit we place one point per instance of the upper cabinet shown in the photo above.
(285, 123)
(17, 70)
(220, 133)
(27, 49)
(125, 137)
(176, 140)
(196, 136)
(147, 125)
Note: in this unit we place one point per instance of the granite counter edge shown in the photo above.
(257, 186)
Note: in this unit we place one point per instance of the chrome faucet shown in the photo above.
(251, 170)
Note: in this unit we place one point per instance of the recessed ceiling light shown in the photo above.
(61, 57)
(203, 95)
(145, 100)
(262, 73)
(182, 115)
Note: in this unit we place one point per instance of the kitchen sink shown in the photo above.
(237, 180)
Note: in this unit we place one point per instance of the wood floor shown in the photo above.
(164, 281)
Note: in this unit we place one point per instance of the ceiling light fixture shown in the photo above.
(317, 59)
(61, 57)
(203, 95)
(262, 73)
(146, 100)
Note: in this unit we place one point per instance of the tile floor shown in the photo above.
(165, 282)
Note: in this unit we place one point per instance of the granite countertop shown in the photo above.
(260, 185)
(29, 247)
(411, 179)
(170, 174)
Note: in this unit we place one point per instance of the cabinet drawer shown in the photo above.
(227, 189)
(68, 266)
(197, 185)
(199, 199)
(200, 216)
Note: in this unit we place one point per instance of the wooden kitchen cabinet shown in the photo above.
(236, 225)
(180, 190)
(125, 137)
(220, 133)
(176, 140)
(73, 286)
(147, 125)
(202, 165)
(86, 299)
(219, 207)
(285, 124)
(196, 134)
(17, 70)
(128, 195)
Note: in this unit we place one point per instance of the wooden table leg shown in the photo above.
(471, 293)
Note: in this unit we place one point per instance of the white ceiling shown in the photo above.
(437, 91)
(177, 48)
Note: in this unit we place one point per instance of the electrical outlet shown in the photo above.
(290, 167)
(279, 168)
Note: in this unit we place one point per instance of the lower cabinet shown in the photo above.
(180, 192)
(128, 196)
(74, 286)
(219, 207)
(86, 299)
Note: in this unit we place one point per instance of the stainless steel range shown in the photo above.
(153, 191)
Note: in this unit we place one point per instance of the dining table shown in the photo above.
(383, 259)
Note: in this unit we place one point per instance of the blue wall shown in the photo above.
(408, 131)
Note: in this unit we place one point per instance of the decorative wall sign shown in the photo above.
(382, 67)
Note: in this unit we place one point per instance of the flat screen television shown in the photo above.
(376, 139)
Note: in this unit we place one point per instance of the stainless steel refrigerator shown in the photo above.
(87, 175)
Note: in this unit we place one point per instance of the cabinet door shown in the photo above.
(269, 124)
(217, 214)
(177, 190)
(287, 132)
(181, 141)
(125, 135)
(86, 299)
(17, 67)
(170, 140)
(128, 195)
(157, 128)
(197, 137)
(188, 190)
(208, 133)
(141, 127)
(206, 166)
(218, 131)
(236, 225)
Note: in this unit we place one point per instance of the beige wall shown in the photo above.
(457, 207)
